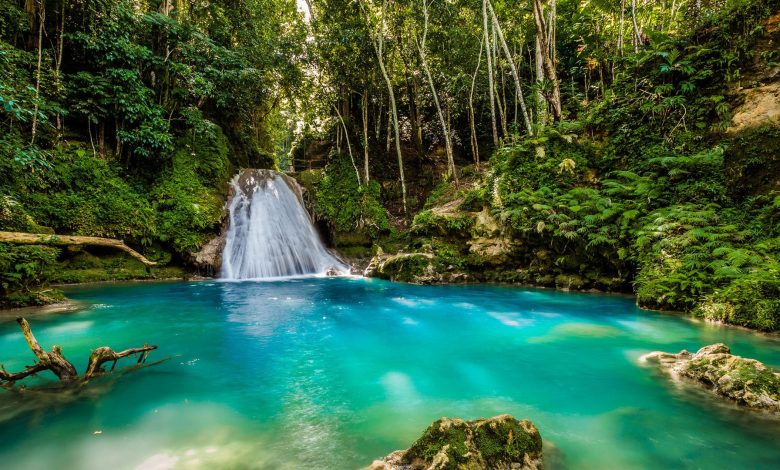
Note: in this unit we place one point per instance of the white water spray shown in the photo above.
(270, 233)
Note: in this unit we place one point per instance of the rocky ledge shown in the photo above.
(501, 442)
(746, 381)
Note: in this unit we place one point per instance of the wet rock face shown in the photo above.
(748, 382)
(501, 442)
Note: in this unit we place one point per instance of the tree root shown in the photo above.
(55, 362)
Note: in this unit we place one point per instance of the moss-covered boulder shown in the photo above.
(746, 381)
(403, 267)
(501, 442)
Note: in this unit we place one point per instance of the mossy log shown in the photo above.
(64, 370)
(22, 238)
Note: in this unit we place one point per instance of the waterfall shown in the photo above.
(270, 234)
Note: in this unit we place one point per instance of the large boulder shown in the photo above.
(501, 442)
(402, 267)
(746, 381)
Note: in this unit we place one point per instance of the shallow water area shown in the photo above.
(335, 372)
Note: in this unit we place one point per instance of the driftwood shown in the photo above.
(64, 370)
(22, 238)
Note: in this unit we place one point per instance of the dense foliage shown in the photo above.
(124, 119)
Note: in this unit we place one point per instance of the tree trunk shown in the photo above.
(451, 170)
(512, 66)
(58, 59)
(472, 116)
(637, 32)
(52, 360)
(490, 72)
(549, 66)
(349, 146)
(365, 136)
(496, 71)
(41, 21)
(541, 103)
(378, 42)
(21, 238)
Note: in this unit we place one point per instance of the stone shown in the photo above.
(761, 107)
(209, 259)
(501, 442)
(403, 267)
(748, 382)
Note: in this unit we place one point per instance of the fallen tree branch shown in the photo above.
(105, 354)
(55, 362)
(22, 238)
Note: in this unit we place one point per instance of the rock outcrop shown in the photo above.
(746, 381)
(501, 442)
(209, 259)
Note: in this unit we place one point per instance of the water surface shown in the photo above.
(332, 373)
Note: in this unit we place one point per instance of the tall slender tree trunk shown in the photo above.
(58, 59)
(547, 61)
(41, 21)
(379, 42)
(349, 145)
(472, 116)
(414, 115)
(541, 103)
(389, 133)
(490, 71)
(451, 170)
(365, 136)
(512, 66)
(496, 79)
(620, 42)
(637, 32)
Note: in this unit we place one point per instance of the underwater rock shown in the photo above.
(501, 442)
(747, 381)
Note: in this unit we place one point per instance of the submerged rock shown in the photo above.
(501, 442)
(747, 381)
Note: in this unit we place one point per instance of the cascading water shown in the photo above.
(270, 233)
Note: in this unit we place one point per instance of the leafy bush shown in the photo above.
(85, 195)
(347, 205)
(21, 269)
(188, 211)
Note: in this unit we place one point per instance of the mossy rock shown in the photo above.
(86, 266)
(570, 282)
(403, 267)
(748, 382)
(501, 442)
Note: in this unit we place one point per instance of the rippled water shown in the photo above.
(332, 373)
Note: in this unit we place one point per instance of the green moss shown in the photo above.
(348, 206)
(405, 267)
(454, 225)
(505, 441)
(87, 267)
(435, 438)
